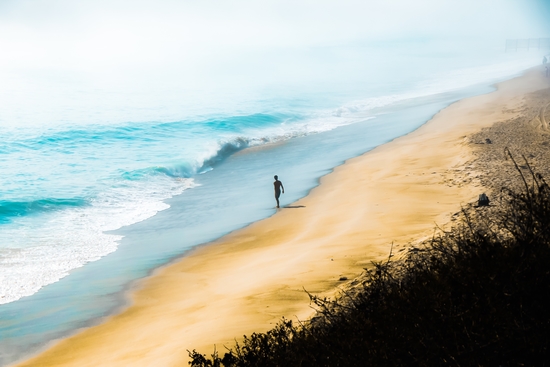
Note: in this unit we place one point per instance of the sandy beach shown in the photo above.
(245, 282)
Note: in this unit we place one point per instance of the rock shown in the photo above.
(483, 200)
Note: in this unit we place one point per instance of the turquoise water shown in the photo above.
(98, 190)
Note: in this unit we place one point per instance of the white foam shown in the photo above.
(48, 250)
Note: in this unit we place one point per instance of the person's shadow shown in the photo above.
(294, 206)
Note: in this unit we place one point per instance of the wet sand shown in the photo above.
(246, 281)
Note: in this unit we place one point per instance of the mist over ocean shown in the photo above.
(119, 156)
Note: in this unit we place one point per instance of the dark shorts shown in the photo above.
(277, 194)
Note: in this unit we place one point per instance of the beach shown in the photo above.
(370, 207)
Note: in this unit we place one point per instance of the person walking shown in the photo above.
(278, 187)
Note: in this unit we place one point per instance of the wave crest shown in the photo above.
(11, 209)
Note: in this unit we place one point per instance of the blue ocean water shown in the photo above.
(98, 191)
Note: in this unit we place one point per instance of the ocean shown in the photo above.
(101, 184)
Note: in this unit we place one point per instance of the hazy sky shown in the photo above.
(112, 56)
(91, 35)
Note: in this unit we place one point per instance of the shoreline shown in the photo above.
(247, 280)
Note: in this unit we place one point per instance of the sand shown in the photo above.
(246, 281)
(526, 136)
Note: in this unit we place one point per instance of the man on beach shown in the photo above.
(278, 186)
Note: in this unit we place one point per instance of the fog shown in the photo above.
(92, 35)
(211, 43)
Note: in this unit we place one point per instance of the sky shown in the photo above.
(57, 47)
(114, 34)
